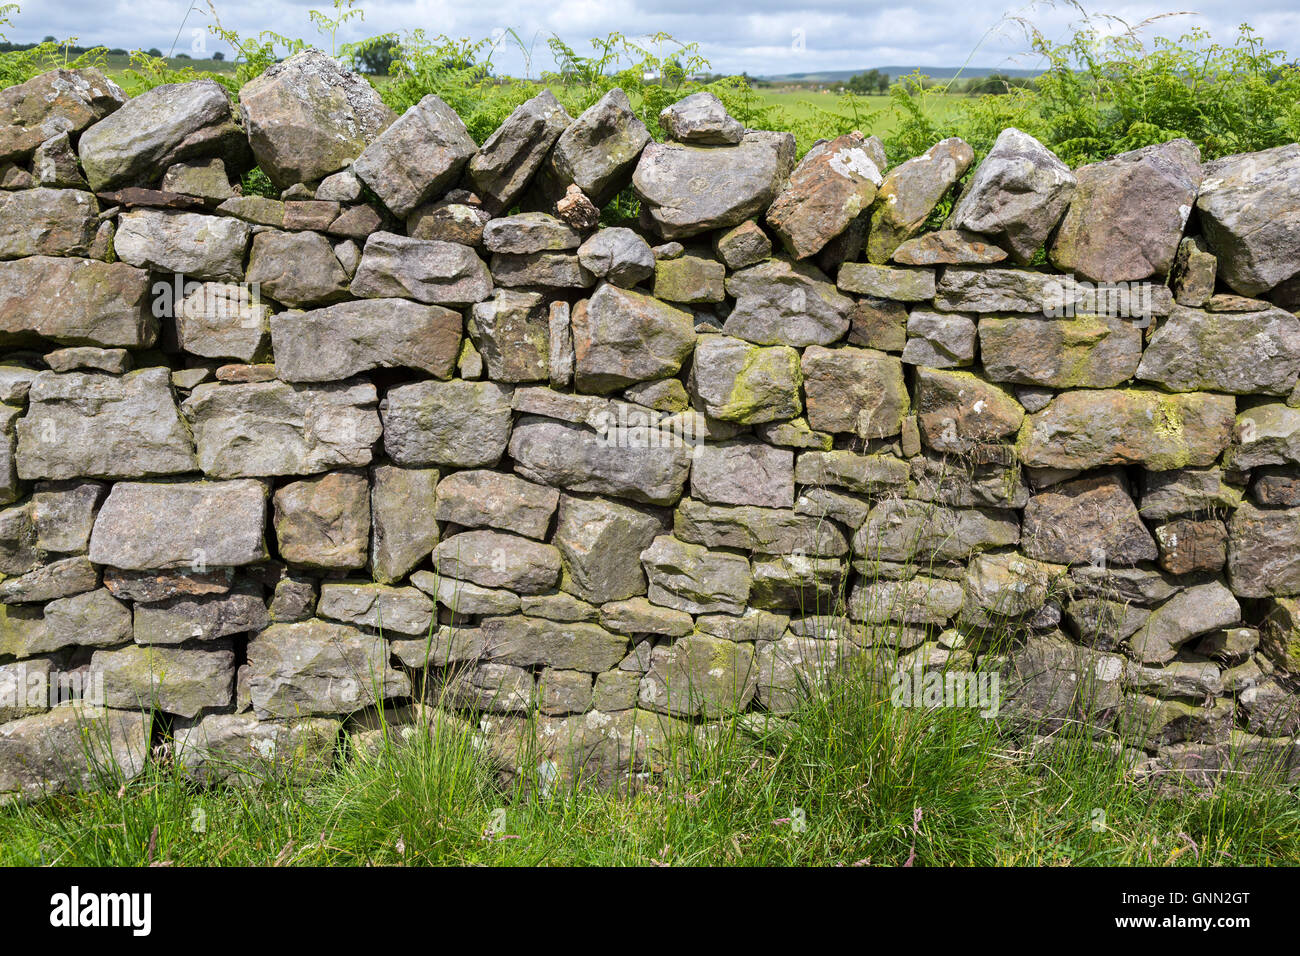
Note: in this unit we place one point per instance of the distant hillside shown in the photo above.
(936, 72)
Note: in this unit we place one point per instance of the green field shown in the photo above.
(807, 105)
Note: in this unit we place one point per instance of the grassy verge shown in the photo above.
(847, 780)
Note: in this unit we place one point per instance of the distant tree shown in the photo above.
(872, 81)
(218, 56)
(154, 51)
(377, 58)
(183, 56)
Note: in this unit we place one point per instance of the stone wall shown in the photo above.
(271, 464)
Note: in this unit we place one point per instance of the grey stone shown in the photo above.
(1264, 551)
(701, 118)
(465, 598)
(205, 618)
(900, 283)
(275, 428)
(1191, 613)
(48, 582)
(617, 255)
(1087, 520)
(560, 359)
(1265, 435)
(638, 616)
(691, 578)
(504, 166)
(948, 247)
(83, 424)
(960, 412)
(165, 125)
(458, 424)
(743, 472)
(239, 750)
(547, 270)
(690, 279)
(47, 753)
(341, 340)
(298, 269)
(910, 193)
(854, 390)
(798, 583)
(564, 692)
(402, 535)
(53, 104)
(427, 270)
(90, 619)
(221, 320)
(205, 247)
(175, 680)
(512, 333)
(844, 468)
(529, 641)
(779, 302)
(1241, 353)
(146, 526)
(939, 339)
(900, 530)
(1127, 215)
(833, 184)
(48, 222)
(324, 521)
(478, 499)
(918, 600)
(739, 382)
(494, 688)
(207, 180)
(745, 245)
(1090, 429)
(1083, 352)
(687, 190)
(63, 514)
(492, 559)
(306, 118)
(700, 676)
(528, 232)
(313, 667)
(386, 609)
(1249, 209)
(417, 156)
(600, 543)
(596, 152)
(622, 337)
(108, 307)
(762, 530)
(1017, 195)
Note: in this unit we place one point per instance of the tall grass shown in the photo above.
(845, 779)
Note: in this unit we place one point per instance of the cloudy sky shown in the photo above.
(760, 36)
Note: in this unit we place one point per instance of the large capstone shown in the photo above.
(1017, 195)
(307, 118)
(1249, 208)
(687, 190)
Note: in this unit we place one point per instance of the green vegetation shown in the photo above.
(848, 779)
(1104, 89)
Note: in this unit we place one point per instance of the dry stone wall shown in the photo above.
(420, 431)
